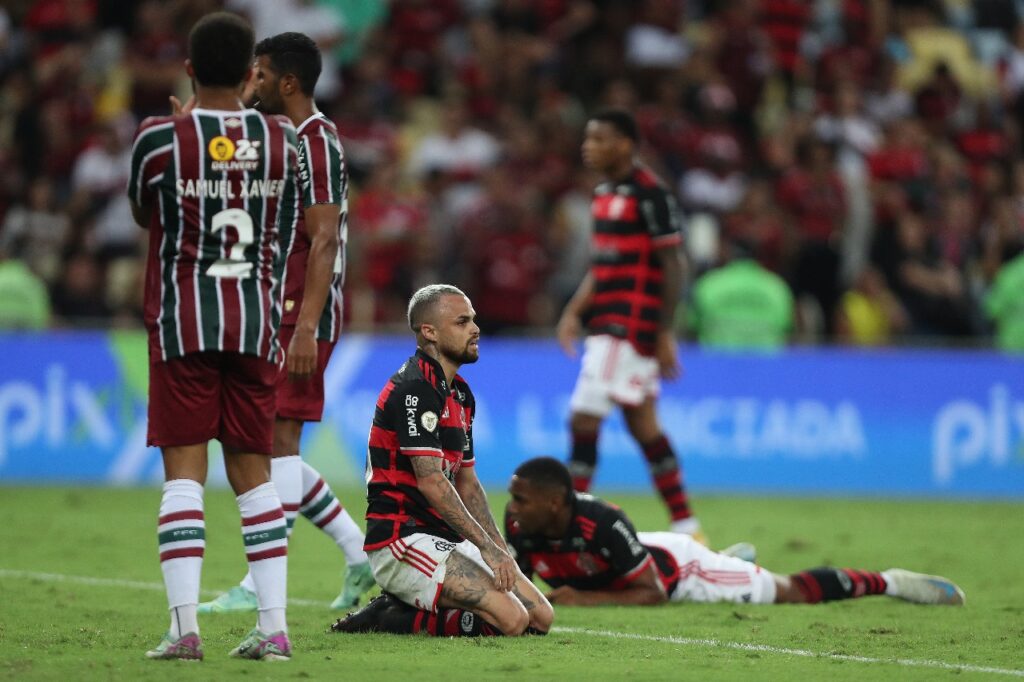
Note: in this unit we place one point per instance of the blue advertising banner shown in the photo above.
(804, 421)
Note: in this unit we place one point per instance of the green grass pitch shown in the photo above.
(81, 598)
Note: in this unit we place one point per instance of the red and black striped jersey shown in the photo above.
(632, 219)
(323, 179)
(418, 415)
(600, 550)
(221, 190)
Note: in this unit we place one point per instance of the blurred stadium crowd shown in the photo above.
(866, 151)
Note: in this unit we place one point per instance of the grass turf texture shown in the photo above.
(64, 628)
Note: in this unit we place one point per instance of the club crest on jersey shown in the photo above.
(429, 421)
(231, 155)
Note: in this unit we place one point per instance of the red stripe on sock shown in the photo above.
(808, 584)
(181, 516)
(290, 508)
(181, 553)
(267, 554)
(313, 492)
(330, 517)
(273, 514)
(417, 623)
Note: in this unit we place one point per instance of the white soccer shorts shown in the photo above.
(707, 576)
(413, 568)
(613, 373)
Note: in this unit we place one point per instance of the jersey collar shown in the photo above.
(433, 373)
(302, 125)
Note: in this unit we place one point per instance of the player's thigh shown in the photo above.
(707, 576)
(247, 404)
(592, 394)
(184, 400)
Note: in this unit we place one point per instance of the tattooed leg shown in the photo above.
(468, 586)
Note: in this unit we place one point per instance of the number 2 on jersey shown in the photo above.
(234, 266)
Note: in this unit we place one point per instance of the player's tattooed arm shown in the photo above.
(445, 499)
(473, 496)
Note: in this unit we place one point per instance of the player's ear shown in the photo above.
(189, 69)
(429, 332)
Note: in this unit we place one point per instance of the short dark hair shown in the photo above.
(220, 49)
(619, 119)
(423, 301)
(294, 53)
(547, 472)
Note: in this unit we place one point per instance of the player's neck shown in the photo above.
(220, 99)
(300, 110)
(560, 526)
(620, 171)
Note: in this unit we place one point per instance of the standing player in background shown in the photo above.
(213, 187)
(628, 300)
(589, 553)
(287, 68)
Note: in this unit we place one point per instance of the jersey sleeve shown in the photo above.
(662, 217)
(415, 410)
(624, 551)
(321, 168)
(150, 151)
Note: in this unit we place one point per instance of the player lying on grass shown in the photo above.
(589, 553)
(433, 544)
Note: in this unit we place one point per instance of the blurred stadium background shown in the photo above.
(866, 152)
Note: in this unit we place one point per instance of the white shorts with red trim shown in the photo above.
(707, 576)
(613, 373)
(413, 568)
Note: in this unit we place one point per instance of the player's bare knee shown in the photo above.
(542, 616)
(584, 424)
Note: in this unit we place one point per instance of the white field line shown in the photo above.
(609, 634)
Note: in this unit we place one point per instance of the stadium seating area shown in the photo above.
(867, 151)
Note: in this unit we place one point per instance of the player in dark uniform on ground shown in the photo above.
(213, 187)
(433, 544)
(287, 68)
(627, 300)
(588, 552)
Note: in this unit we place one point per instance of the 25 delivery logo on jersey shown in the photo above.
(229, 155)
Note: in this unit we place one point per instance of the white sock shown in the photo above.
(322, 508)
(181, 534)
(286, 474)
(265, 535)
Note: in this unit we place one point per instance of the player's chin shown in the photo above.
(471, 354)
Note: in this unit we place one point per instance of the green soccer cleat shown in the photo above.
(258, 646)
(188, 647)
(236, 600)
(358, 581)
(741, 550)
(923, 589)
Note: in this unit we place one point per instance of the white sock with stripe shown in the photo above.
(322, 508)
(181, 534)
(286, 474)
(265, 535)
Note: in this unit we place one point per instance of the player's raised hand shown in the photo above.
(667, 355)
(301, 355)
(179, 109)
(503, 565)
(568, 333)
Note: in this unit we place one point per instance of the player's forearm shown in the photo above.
(629, 597)
(475, 499)
(445, 499)
(323, 251)
(581, 299)
(672, 286)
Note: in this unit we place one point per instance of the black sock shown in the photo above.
(831, 584)
(583, 460)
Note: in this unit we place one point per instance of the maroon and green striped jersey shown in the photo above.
(323, 179)
(221, 188)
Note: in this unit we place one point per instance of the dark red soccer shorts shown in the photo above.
(227, 396)
(302, 400)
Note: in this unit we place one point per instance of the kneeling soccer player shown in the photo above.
(589, 553)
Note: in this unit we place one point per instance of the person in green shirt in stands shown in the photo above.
(24, 300)
(1005, 304)
(741, 305)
